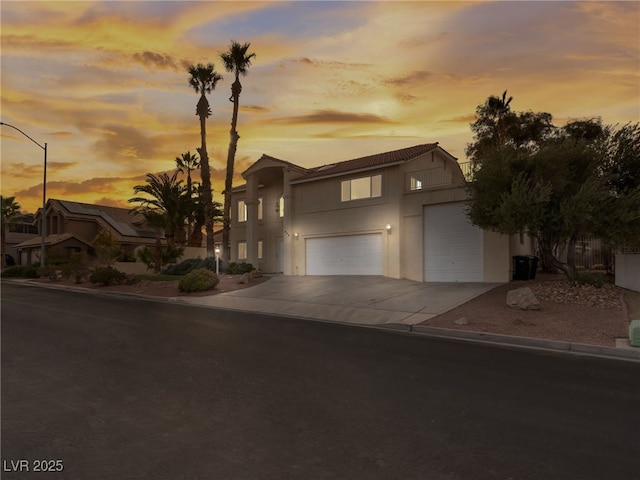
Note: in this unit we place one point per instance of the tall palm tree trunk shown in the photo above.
(206, 185)
(236, 88)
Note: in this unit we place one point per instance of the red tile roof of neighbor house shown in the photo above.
(368, 162)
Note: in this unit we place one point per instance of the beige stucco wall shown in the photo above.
(628, 271)
(319, 212)
(316, 210)
(496, 259)
(269, 229)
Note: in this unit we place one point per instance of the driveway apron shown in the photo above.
(365, 300)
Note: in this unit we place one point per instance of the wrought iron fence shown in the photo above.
(467, 170)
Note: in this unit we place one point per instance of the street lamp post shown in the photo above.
(43, 228)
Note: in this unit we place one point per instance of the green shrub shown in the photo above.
(132, 279)
(50, 271)
(190, 264)
(198, 280)
(183, 267)
(76, 267)
(595, 279)
(21, 271)
(239, 268)
(57, 256)
(107, 276)
(210, 264)
(147, 254)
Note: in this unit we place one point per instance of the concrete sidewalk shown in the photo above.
(364, 300)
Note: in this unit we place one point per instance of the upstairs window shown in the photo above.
(242, 211)
(243, 214)
(280, 207)
(365, 187)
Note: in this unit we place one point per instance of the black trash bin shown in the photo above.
(533, 260)
(521, 267)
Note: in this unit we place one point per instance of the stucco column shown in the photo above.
(252, 220)
(288, 237)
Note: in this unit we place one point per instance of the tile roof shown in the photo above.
(368, 162)
(52, 239)
(123, 221)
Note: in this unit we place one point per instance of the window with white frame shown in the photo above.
(281, 206)
(416, 184)
(242, 250)
(242, 211)
(364, 187)
(243, 214)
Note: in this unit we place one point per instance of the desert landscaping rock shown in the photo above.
(522, 299)
(565, 313)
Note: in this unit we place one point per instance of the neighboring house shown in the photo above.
(400, 214)
(73, 226)
(21, 229)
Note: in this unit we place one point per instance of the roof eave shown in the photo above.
(348, 172)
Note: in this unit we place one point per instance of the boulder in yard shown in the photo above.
(522, 299)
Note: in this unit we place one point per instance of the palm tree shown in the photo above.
(186, 163)
(499, 109)
(165, 198)
(203, 80)
(237, 61)
(10, 210)
(198, 216)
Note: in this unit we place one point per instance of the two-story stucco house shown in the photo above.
(400, 214)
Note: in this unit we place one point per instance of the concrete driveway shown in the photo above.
(365, 300)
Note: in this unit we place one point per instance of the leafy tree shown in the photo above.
(557, 184)
(620, 153)
(497, 126)
(107, 247)
(237, 61)
(203, 80)
(10, 210)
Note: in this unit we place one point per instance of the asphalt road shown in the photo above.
(117, 388)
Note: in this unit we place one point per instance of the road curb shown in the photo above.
(437, 332)
(556, 345)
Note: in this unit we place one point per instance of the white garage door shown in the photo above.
(452, 245)
(345, 255)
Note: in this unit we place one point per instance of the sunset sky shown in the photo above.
(105, 83)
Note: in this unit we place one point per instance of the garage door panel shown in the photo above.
(452, 245)
(345, 255)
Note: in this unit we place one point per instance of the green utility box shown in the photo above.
(634, 333)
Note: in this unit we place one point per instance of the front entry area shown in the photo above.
(452, 245)
(345, 255)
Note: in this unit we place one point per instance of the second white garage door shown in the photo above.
(345, 255)
(452, 245)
